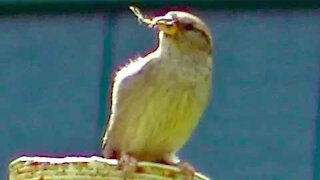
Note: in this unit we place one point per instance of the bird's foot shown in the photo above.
(187, 169)
(128, 165)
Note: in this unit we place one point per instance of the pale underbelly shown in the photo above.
(155, 123)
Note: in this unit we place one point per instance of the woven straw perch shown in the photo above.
(88, 168)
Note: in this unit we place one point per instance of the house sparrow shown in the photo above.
(157, 100)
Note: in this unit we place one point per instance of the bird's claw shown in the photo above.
(187, 169)
(128, 165)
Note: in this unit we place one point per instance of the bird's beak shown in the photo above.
(168, 26)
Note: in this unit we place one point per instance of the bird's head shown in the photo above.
(180, 30)
(184, 29)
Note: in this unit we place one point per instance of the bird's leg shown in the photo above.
(185, 167)
(128, 165)
(188, 169)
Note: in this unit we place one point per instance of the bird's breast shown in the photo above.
(158, 109)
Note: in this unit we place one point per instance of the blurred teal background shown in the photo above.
(56, 61)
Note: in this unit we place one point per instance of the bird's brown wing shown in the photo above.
(120, 81)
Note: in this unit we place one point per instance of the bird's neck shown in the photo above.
(180, 61)
(175, 50)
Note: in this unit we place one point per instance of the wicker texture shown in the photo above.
(90, 168)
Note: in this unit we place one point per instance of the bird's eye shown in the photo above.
(188, 27)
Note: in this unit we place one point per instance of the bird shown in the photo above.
(157, 100)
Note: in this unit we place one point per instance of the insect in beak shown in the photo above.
(141, 18)
(162, 23)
